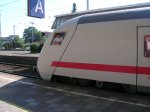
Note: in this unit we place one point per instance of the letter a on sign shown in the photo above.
(39, 7)
(36, 8)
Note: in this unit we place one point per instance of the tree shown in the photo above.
(1, 43)
(18, 42)
(31, 34)
(40, 37)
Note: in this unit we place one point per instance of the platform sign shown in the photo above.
(36, 8)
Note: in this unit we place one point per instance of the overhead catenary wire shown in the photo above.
(9, 3)
(59, 10)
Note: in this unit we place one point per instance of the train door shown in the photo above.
(143, 69)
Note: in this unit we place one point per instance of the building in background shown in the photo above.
(7, 42)
(47, 34)
(9, 39)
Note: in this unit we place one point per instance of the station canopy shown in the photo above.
(59, 19)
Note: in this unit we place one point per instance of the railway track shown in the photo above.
(19, 65)
(18, 60)
(19, 69)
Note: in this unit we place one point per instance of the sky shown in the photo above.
(14, 13)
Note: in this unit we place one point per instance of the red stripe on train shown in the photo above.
(103, 67)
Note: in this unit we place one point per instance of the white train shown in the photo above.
(108, 47)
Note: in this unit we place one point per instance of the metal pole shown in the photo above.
(32, 29)
(0, 24)
(87, 4)
(14, 28)
(0, 31)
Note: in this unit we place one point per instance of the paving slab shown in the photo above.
(21, 94)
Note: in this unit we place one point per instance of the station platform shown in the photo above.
(18, 53)
(19, 57)
(21, 94)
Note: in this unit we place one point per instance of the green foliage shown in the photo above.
(1, 44)
(31, 34)
(34, 38)
(28, 33)
(18, 42)
(36, 47)
(8, 46)
(15, 43)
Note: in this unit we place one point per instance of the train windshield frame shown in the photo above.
(58, 38)
(147, 46)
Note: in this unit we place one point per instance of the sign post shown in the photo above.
(36, 8)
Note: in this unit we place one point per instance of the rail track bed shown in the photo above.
(19, 70)
(18, 60)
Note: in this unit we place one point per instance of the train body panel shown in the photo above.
(143, 72)
(102, 49)
(107, 47)
(51, 52)
(104, 45)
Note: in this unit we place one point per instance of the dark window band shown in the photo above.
(115, 16)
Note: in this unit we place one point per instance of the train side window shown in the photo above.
(147, 45)
(58, 38)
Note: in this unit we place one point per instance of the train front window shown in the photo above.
(58, 38)
(147, 46)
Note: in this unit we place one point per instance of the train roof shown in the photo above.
(59, 19)
(140, 13)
